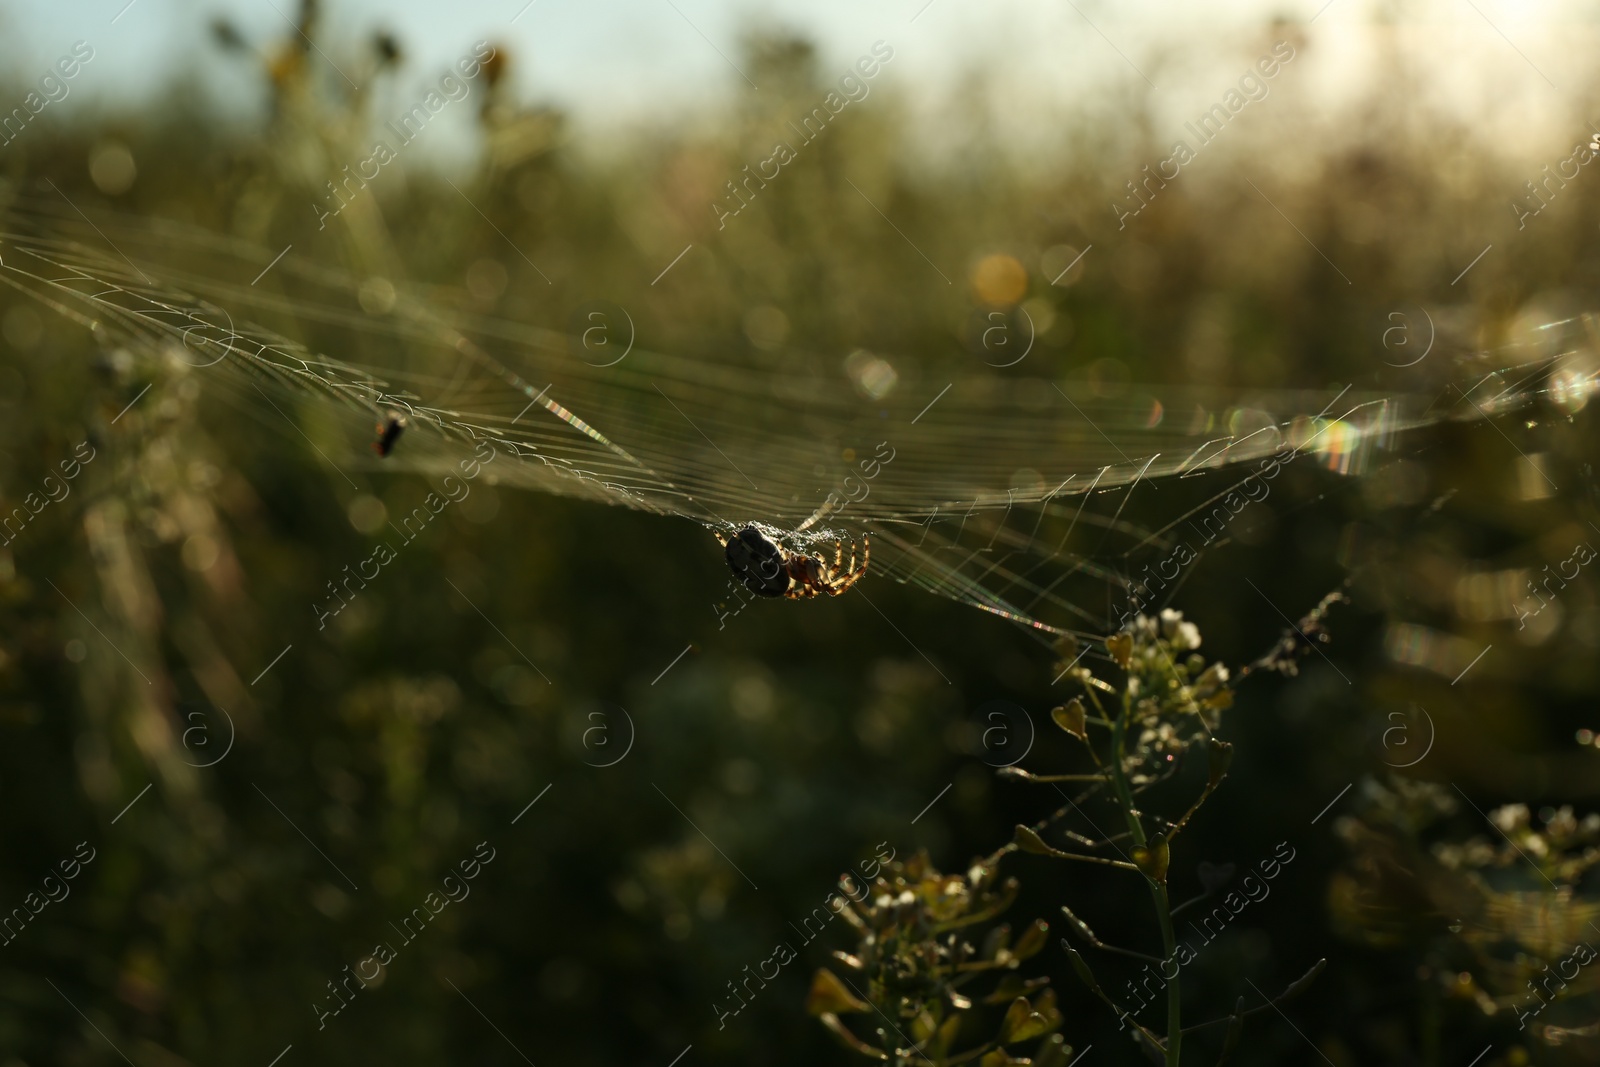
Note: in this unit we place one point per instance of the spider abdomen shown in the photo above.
(758, 563)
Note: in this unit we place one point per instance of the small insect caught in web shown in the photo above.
(768, 569)
(389, 431)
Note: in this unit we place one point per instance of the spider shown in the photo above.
(769, 570)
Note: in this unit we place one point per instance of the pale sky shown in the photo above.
(1520, 70)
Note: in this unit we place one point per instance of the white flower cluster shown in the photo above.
(1177, 696)
(1180, 634)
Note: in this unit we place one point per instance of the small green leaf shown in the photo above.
(1028, 840)
(1152, 860)
(1011, 986)
(1053, 1052)
(1044, 1005)
(1301, 984)
(1079, 964)
(1071, 718)
(1032, 940)
(1081, 926)
(1023, 1023)
(1221, 757)
(949, 1030)
(1153, 1050)
(1016, 1020)
(829, 996)
(996, 942)
(849, 1040)
(1120, 648)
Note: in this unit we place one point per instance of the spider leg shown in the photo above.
(856, 573)
(849, 580)
(838, 580)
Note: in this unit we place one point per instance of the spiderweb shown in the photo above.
(1007, 494)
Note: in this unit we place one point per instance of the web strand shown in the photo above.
(995, 497)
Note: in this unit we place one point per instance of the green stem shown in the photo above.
(1158, 890)
(1174, 1005)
